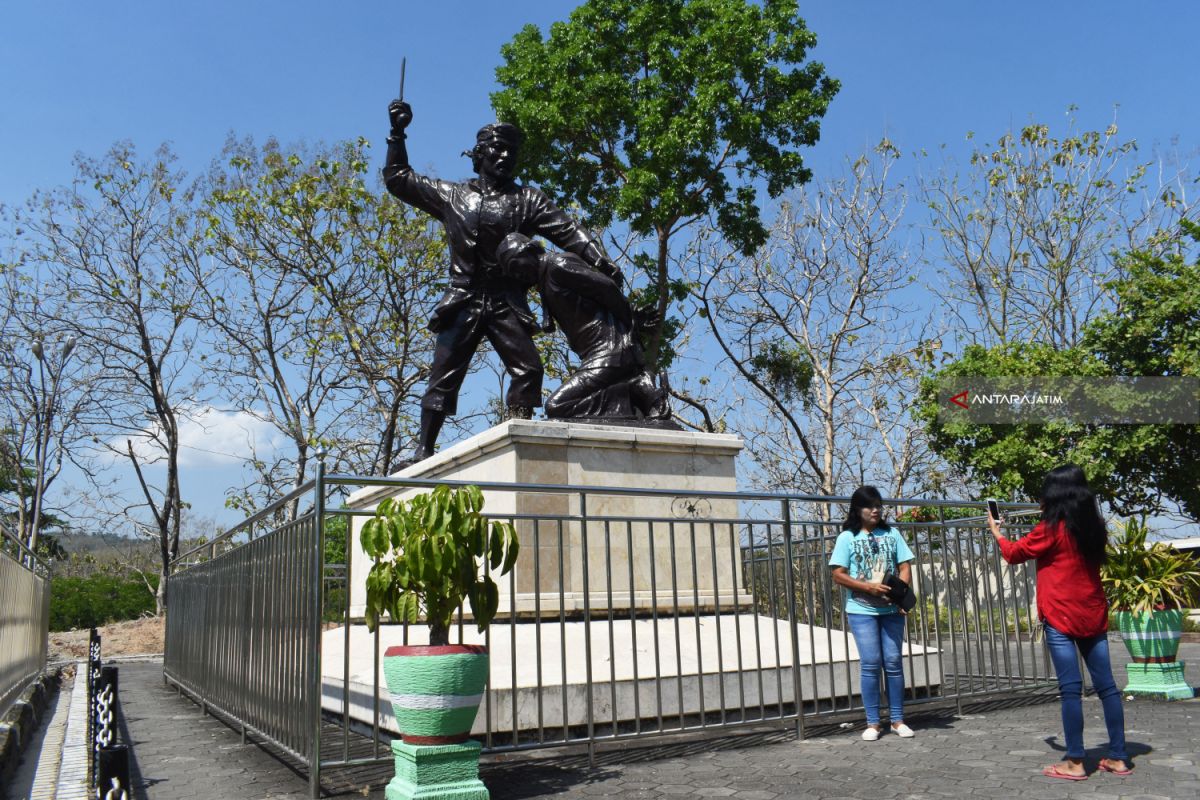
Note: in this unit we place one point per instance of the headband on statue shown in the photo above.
(499, 132)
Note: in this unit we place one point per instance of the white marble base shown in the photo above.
(735, 660)
(639, 548)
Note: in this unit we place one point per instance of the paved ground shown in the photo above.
(994, 750)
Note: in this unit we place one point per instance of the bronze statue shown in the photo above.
(482, 302)
(611, 381)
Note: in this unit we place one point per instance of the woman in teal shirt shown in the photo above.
(866, 550)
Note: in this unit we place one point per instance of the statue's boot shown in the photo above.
(431, 426)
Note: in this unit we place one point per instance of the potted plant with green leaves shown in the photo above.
(1147, 585)
(432, 553)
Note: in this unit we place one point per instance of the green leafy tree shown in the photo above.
(1154, 331)
(663, 113)
(98, 600)
(1002, 459)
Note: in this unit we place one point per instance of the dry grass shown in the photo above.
(133, 638)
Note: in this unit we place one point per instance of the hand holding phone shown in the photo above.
(993, 509)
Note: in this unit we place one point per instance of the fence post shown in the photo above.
(314, 664)
(112, 773)
(587, 628)
(93, 672)
(792, 617)
(950, 612)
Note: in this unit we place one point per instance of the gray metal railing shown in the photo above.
(243, 630)
(25, 619)
(630, 614)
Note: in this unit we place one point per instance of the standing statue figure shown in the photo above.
(482, 302)
(611, 381)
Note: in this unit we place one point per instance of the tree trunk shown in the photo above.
(160, 596)
(439, 634)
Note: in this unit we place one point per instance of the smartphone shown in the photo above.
(993, 510)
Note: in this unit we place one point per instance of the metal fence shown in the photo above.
(630, 614)
(25, 623)
(244, 628)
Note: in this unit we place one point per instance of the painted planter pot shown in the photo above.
(435, 690)
(1153, 636)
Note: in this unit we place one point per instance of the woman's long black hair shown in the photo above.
(1067, 498)
(863, 497)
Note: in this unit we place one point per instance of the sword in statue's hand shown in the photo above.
(403, 61)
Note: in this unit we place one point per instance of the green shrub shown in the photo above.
(98, 600)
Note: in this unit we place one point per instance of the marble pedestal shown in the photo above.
(439, 772)
(603, 549)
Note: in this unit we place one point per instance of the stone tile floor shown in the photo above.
(994, 750)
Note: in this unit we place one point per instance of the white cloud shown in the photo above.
(212, 437)
(209, 437)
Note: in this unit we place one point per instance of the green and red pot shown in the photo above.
(1152, 639)
(435, 690)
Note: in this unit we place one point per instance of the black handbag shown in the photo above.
(899, 592)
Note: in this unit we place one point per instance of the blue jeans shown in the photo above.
(1070, 689)
(878, 638)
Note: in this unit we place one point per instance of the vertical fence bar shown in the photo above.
(633, 621)
(997, 568)
(792, 621)
(562, 634)
(512, 648)
(537, 625)
(933, 579)
(654, 620)
(587, 628)
(716, 588)
(755, 582)
(348, 573)
(979, 567)
(810, 612)
(314, 664)
(950, 611)
(696, 620)
(773, 582)
(675, 619)
(612, 643)
(734, 551)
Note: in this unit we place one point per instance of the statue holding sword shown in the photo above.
(482, 301)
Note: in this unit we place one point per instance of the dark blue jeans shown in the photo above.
(878, 638)
(1070, 689)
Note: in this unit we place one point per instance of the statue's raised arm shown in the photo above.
(482, 302)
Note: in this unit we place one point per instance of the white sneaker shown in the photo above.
(903, 731)
(871, 734)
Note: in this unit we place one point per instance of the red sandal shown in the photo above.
(1107, 766)
(1054, 771)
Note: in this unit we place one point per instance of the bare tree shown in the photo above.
(318, 319)
(43, 395)
(818, 325)
(1032, 229)
(120, 248)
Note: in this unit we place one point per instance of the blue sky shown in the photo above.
(77, 76)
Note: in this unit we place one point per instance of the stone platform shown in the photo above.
(743, 658)
(676, 548)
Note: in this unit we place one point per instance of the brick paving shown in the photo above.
(994, 750)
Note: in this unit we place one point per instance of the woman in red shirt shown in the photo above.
(1069, 545)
